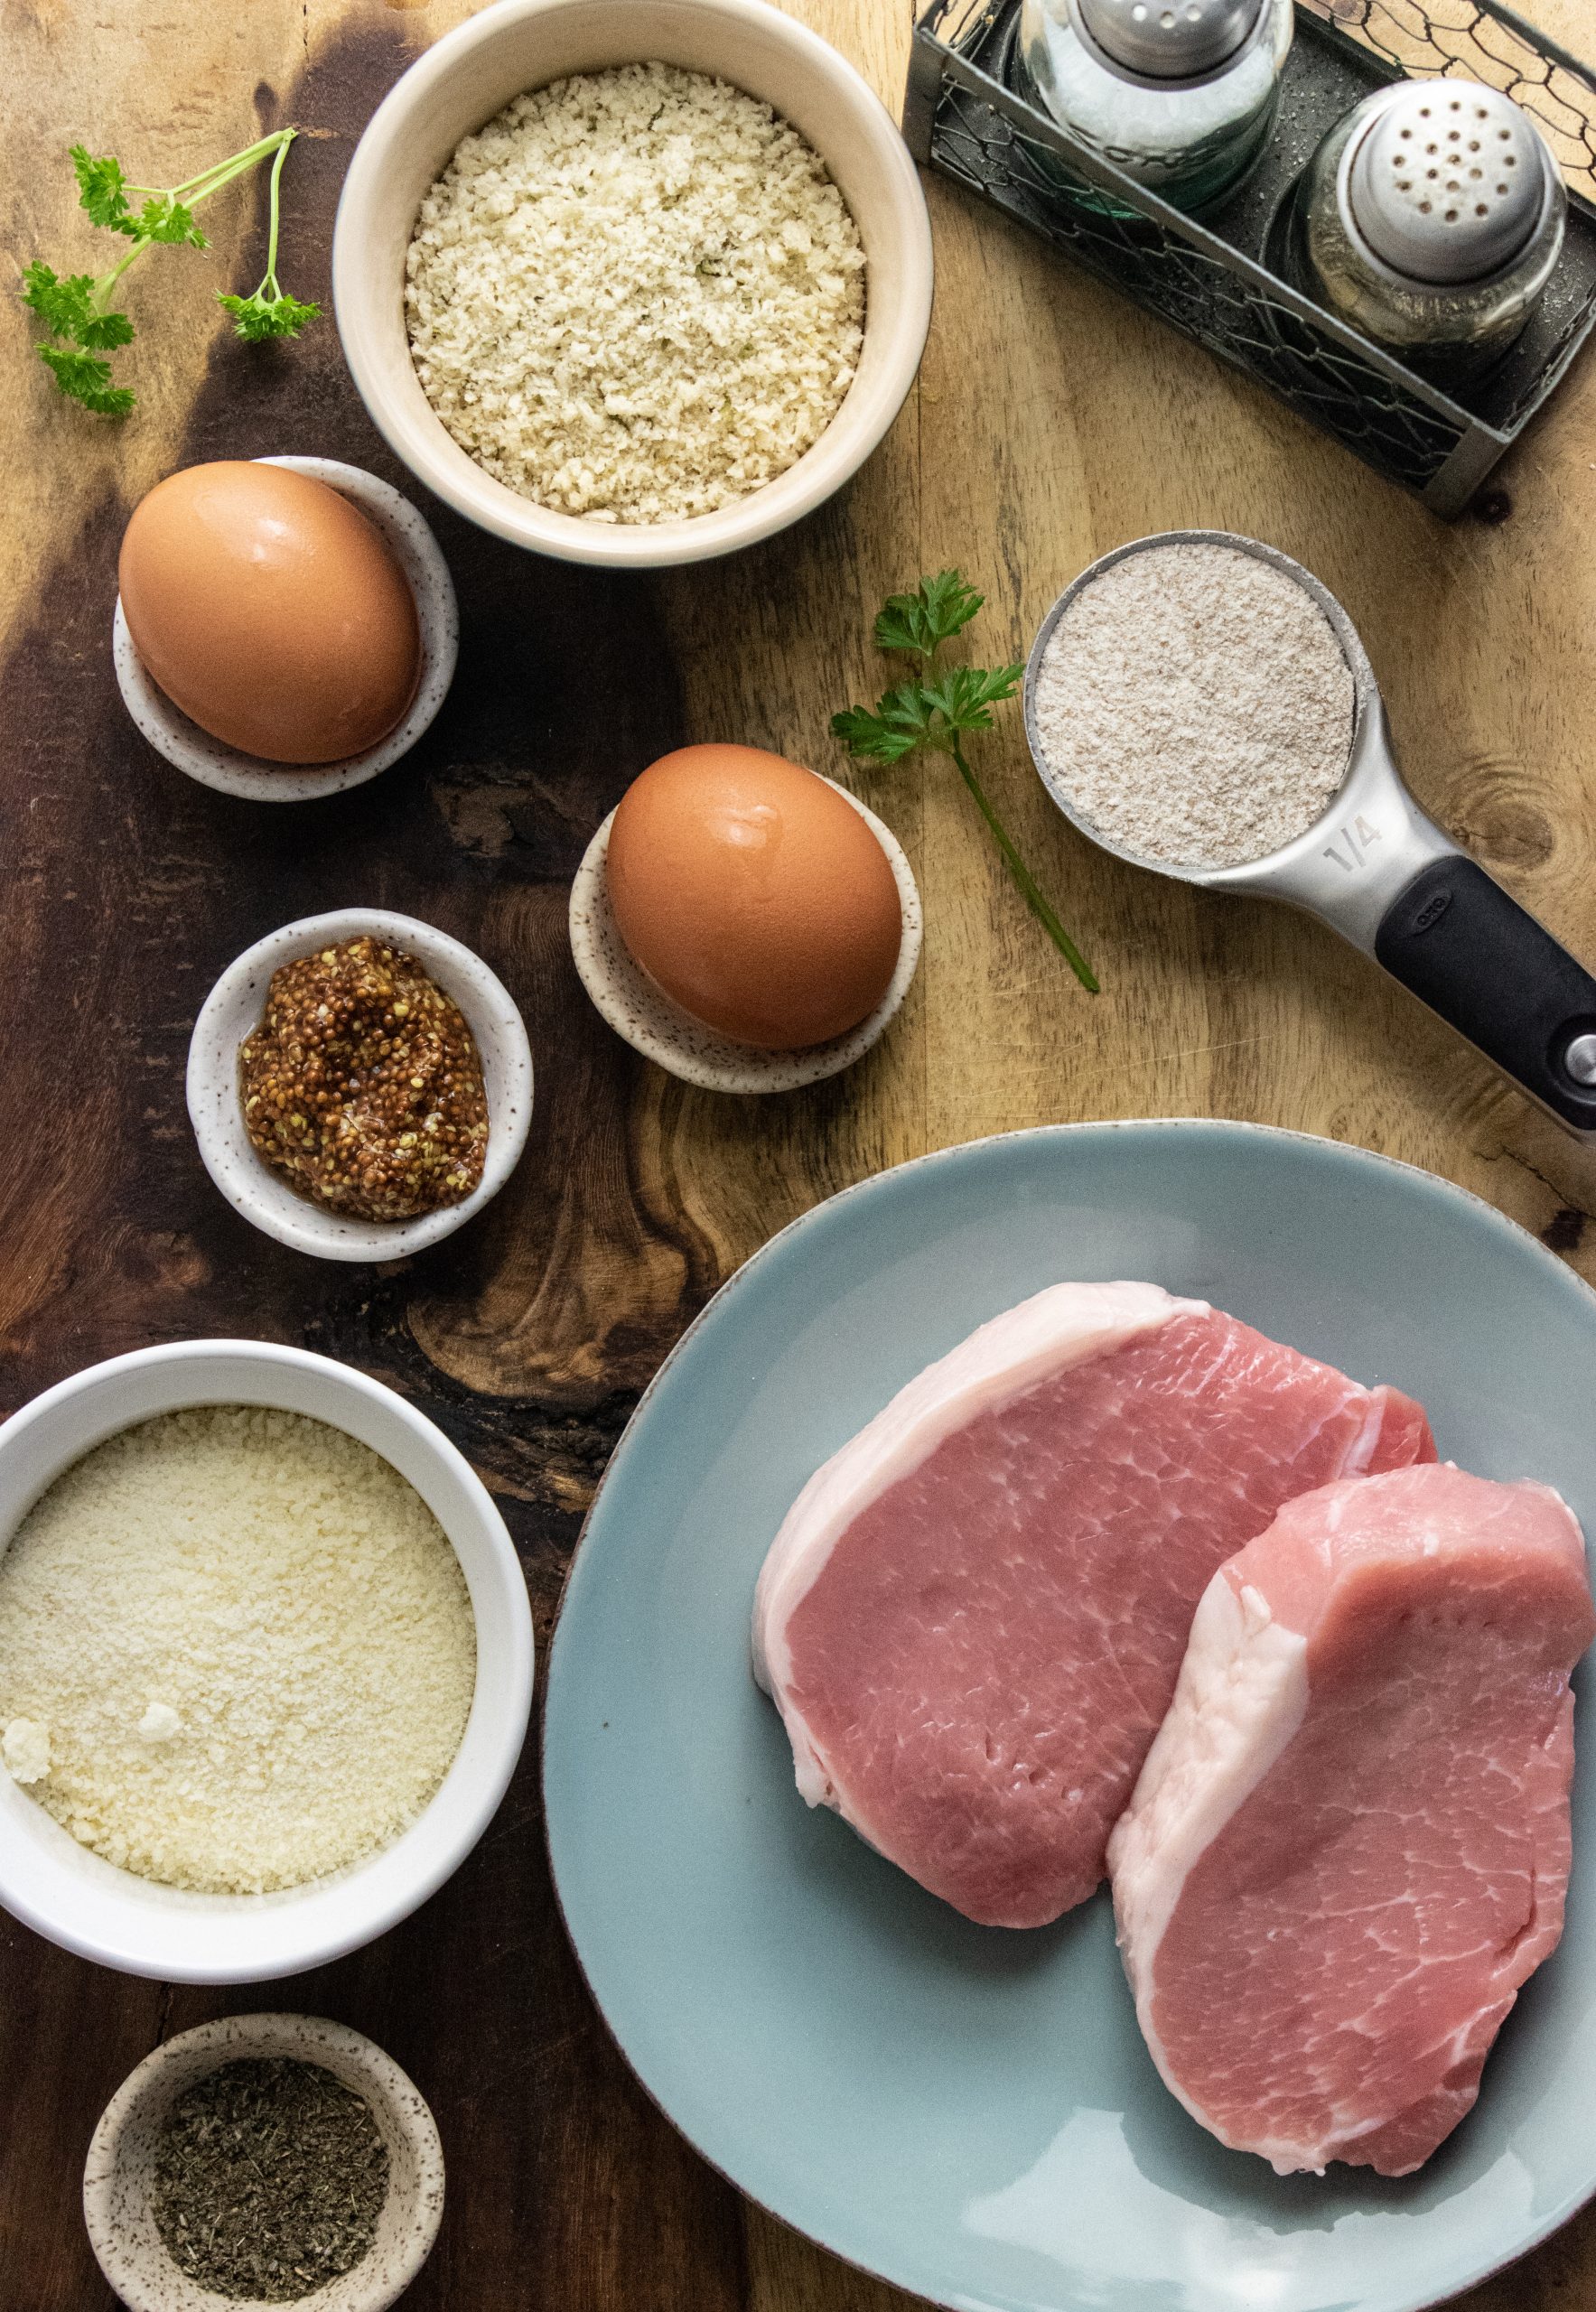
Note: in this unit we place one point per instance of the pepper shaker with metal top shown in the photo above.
(1181, 94)
(1432, 218)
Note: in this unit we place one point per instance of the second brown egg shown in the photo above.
(755, 895)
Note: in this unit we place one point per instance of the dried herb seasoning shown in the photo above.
(270, 2176)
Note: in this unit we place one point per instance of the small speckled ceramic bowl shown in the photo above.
(662, 1031)
(120, 2170)
(214, 763)
(233, 1009)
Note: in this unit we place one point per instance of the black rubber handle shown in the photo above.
(1471, 952)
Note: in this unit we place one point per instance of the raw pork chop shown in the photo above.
(1350, 1843)
(973, 1617)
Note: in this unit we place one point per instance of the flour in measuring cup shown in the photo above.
(1194, 705)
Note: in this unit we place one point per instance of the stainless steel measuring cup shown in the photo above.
(1386, 877)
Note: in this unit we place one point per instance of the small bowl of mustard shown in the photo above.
(360, 1085)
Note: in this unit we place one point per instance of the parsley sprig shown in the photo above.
(938, 709)
(269, 311)
(78, 309)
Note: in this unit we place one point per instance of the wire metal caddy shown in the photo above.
(1219, 279)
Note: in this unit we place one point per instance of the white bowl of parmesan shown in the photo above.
(265, 1661)
(632, 282)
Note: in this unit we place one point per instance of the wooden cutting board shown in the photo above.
(1050, 422)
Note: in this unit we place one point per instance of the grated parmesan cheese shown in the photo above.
(26, 1748)
(236, 1650)
(636, 295)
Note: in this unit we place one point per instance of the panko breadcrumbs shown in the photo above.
(636, 295)
(236, 1650)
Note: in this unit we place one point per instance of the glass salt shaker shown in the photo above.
(1432, 218)
(1180, 94)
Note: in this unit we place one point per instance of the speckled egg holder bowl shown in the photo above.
(662, 1031)
(78, 1900)
(473, 73)
(119, 2176)
(214, 763)
(233, 1009)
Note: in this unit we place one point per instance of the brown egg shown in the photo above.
(270, 611)
(755, 895)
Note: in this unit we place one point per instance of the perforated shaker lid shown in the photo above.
(1448, 183)
(1169, 39)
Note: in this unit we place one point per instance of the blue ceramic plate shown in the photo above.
(968, 2112)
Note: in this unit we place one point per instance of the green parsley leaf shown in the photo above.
(102, 190)
(900, 722)
(65, 306)
(166, 220)
(965, 696)
(939, 609)
(103, 332)
(68, 309)
(86, 379)
(259, 316)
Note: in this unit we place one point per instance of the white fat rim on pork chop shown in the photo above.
(1002, 1360)
(1241, 1698)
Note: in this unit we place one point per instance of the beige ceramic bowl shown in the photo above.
(120, 2170)
(470, 74)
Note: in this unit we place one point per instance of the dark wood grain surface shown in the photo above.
(1050, 422)
(127, 889)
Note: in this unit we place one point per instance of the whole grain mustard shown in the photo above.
(362, 1085)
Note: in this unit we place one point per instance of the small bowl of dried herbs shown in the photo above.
(263, 2160)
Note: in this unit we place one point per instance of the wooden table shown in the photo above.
(1050, 422)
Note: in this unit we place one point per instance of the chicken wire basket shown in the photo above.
(1219, 278)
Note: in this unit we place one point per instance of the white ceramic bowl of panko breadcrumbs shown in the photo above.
(632, 282)
(265, 1661)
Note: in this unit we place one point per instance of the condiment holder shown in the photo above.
(119, 2173)
(647, 1020)
(1225, 279)
(233, 1010)
(213, 763)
